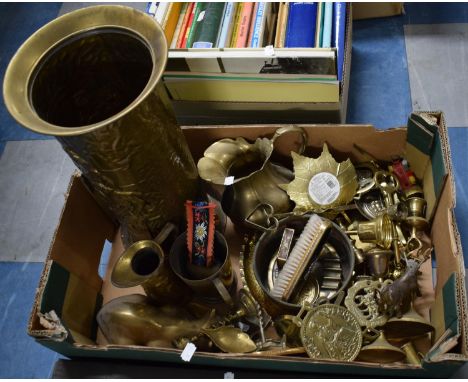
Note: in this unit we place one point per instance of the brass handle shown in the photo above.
(292, 129)
(221, 288)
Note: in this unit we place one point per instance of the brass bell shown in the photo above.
(410, 325)
(381, 351)
(378, 260)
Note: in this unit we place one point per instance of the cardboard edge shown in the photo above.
(33, 316)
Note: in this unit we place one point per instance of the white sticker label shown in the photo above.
(188, 352)
(228, 180)
(228, 375)
(269, 50)
(201, 16)
(324, 188)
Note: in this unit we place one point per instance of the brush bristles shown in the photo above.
(300, 258)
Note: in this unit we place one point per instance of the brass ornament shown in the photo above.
(134, 320)
(361, 300)
(251, 181)
(321, 184)
(331, 332)
(90, 78)
(144, 263)
(230, 339)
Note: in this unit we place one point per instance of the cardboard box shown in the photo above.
(70, 284)
(374, 10)
(217, 113)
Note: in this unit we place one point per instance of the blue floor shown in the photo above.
(379, 94)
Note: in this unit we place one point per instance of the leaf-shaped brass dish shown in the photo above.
(321, 184)
(230, 339)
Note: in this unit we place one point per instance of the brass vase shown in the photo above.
(90, 78)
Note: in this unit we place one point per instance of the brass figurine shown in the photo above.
(395, 298)
(133, 320)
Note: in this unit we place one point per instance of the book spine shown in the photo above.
(327, 25)
(301, 25)
(220, 26)
(339, 21)
(193, 26)
(284, 25)
(208, 25)
(226, 26)
(252, 25)
(244, 25)
(161, 12)
(170, 23)
(235, 29)
(278, 24)
(178, 28)
(319, 27)
(151, 7)
(259, 22)
(185, 23)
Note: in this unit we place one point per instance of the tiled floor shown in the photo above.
(398, 64)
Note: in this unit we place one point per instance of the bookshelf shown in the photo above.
(288, 63)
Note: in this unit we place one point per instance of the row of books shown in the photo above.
(249, 24)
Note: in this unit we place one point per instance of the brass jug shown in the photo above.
(90, 78)
(252, 192)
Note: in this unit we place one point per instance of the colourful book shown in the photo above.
(244, 24)
(178, 28)
(338, 40)
(252, 24)
(227, 25)
(319, 26)
(189, 26)
(183, 30)
(235, 29)
(327, 25)
(208, 25)
(170, 21)
(300, 30)
(278, 25)
(284, 24)
(259, 23)
(197, 18)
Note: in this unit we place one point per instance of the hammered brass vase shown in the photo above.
(91, 78)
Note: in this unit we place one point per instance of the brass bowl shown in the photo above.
(256, 269)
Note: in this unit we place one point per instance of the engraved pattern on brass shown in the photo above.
(362, 301)
(91, 79)
(331, 332)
